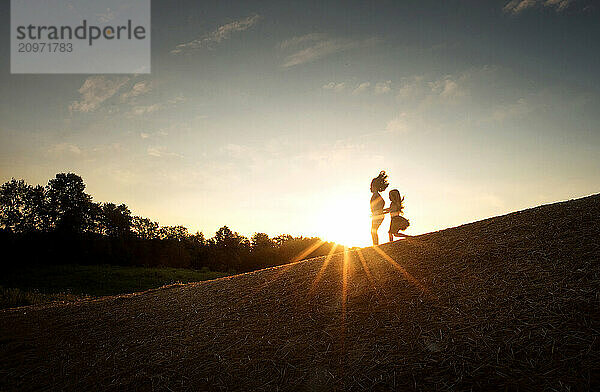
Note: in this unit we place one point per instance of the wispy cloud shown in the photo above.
(361, 88)
(64, 148)
(145, 109)
(511, 111)
(558, 4)
(174, 127)
(297, 41)
(426, 97)
(383, 87)
(162, 152)
(139, 88)
(447, 87)
(410, 86)
(106, 17)
(315, 46)
(95, 90)
(147, 135)
(337, 87)
(222, 33)
(139, 110)
(518, 6)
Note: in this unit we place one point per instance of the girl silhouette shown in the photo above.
(398, 222)
(378, 184)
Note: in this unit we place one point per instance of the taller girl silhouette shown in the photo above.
(378, 184)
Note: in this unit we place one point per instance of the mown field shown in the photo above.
(39, 284)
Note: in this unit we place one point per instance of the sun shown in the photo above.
(346, 221)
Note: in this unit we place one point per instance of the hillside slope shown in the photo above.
(511, 301)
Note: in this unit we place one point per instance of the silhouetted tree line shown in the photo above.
(60, 223)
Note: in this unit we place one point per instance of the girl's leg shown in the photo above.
(375, 237)
(374, 228)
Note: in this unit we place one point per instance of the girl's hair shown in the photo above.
(379, 183)
(395, 198)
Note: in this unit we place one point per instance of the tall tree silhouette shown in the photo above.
(282, 239)
(71, 209)
(177, 233)
(22, 207)
(116, 220)
(261, 241)
(144, 228)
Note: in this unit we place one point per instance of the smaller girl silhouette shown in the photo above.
(398, 221)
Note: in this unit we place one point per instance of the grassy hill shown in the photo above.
(511, 302)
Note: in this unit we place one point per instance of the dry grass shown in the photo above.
(505, 303)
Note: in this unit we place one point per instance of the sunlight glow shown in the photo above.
(345, 283)
(346, 220)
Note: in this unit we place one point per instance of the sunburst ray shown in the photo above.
(400, 268)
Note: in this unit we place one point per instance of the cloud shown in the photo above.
(106, 17)
(361, 88)
(140, 110)
(423, 98)
(383, 87)
(95, 90)
(518, 6)
(447, 87)
(173, 128)
(314, 46)
(178, 99)
(410, 87)
(337, 87)
(147, 135)
(64, 148)
(514, 110)
(145, 109)
(161, 152)
(139, 88)
(558, 4)
(379, 88)
(297, 41)
(222, 33)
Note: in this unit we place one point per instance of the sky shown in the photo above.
(274, 116)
